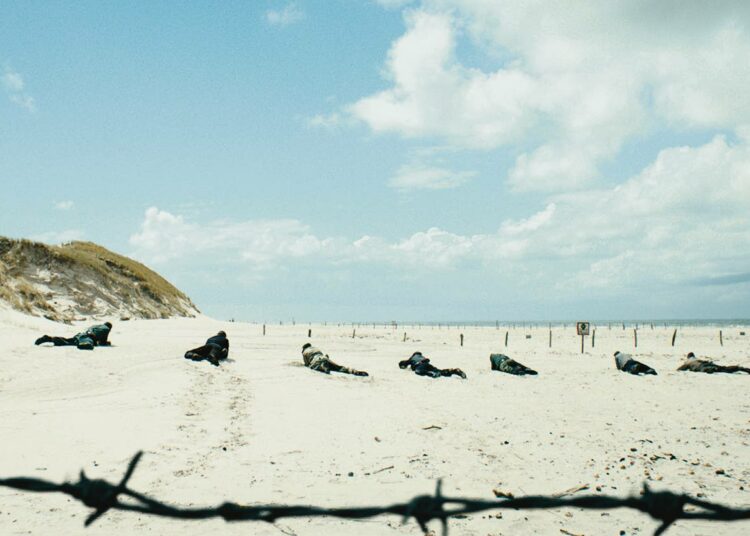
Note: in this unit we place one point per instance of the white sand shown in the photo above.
(292, 435)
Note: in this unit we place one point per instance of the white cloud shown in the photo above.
(13, 81)
(325, 120)
(289, 14)
(575, 83)
(684, 218)
(14, 87)
(262, 243)
(64, 205)
(420, 177)
(58, 237)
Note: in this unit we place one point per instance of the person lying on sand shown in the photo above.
(216, 348)
(317, 360)
(422, 367)
(503, 363)
(694, 364)
(626, 363)
(86, 340)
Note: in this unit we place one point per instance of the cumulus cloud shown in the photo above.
(574, 82)
(164, 236)
(14, 87)
(64, 205)
(421, 177)
(682, 221)
(289, 14)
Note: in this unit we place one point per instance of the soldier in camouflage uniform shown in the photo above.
(694, 364)
(422, 367)
(626, 363)
(86, 340)
(317, 360)
(503, 363)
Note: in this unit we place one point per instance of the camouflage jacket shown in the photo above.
(310, 353)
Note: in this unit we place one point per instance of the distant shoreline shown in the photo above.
(628, 323)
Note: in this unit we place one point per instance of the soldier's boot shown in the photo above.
(452, 371)
(43, 339)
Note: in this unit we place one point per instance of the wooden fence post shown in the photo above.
(506, 339)
(462, 339)
(635, 338)
(674, 336)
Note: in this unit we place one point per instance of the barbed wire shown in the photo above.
(663, 506)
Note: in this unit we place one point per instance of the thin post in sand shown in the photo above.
(721, 338)
(264, 329)
(674, 336)
(354, 333)
(635, 338)
(404, 336)
(462, 339)
(506, 339)
(593, 338)
(309, 333)
(550, 338)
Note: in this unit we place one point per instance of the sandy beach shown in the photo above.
(263, 429)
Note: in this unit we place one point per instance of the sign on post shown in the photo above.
(583, 328)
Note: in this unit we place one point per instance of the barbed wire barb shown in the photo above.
(663, 506)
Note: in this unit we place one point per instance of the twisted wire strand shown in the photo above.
(663, 506)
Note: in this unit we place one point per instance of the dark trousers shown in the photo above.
(62, 341)
(505, 364)
(636, 367)
(210, 352)
(428, 369)
(710, 368)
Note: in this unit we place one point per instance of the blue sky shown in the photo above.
(365, 160)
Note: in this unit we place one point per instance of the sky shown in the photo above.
(363, 160)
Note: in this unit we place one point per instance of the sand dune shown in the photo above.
(262, 428)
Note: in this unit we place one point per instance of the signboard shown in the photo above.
(583, 328)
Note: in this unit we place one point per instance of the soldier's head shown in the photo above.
(617, 353)
(108, 324)
(416, 353)
(691, 355)
(222, 334)
(306, 346)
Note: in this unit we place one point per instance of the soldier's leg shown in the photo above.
(214, 354)
(426, 369)
(453, 371)
(57, 341)
(516, 368)
(731, 369)
(335, 367)
(85, 343)
(636, 367)
(197, 354)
